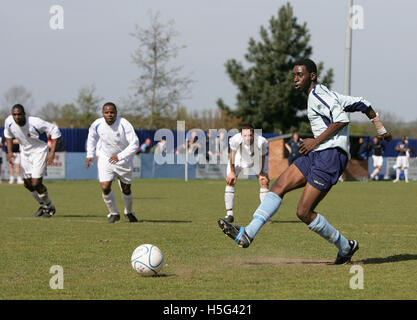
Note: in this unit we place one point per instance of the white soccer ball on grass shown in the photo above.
(147, 260)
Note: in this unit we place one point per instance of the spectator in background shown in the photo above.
(377, 159)
(192, 146)
(292, 147)
(160, 147)
(363, 149)
(1, 155)
(14, 163)
(211, 148)
(217, 149)
(180, 149)
(145, 147)
(402, 159)
(223, 147)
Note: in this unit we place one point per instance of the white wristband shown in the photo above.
(380, 130)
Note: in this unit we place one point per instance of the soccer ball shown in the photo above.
(147, 260)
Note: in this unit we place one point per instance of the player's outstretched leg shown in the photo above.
(290, 179)
(237, 233)
(244, 236)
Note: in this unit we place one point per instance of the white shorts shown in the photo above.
(402, 162)
(377, 161)
(16, 159)
(238, 170)
(107, 171)
(34, 165)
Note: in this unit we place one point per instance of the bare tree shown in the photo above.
(16, 94)
(88, 105)
(50, 112)
(160, 87)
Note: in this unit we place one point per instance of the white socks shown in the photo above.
(110, 203)
(229, 196)
(374, 173)
(128, 201)
(262, 193)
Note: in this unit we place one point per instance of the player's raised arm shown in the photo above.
(358, 104)
(380, 130)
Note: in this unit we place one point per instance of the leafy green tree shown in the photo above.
(265, 88)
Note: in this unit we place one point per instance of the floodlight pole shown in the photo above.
(348, 50)
(186, 160)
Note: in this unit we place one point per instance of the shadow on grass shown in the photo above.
(104, 216)
(166, 221)
(290, 262)
(288, 221)
(395, 258)
(149, 198)
(164, 275)
(79, 216)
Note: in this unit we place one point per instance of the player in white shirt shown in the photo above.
(247, 151)
(324, 159)
(34, 155)
(118, 144)
(402, 162)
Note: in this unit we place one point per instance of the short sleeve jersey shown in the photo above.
(29, 134)
(120, 138)
(245, 153)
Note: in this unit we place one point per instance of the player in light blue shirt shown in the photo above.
(324, 159)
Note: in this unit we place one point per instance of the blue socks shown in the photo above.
(324, 229)
(266, 210)
(270, 205)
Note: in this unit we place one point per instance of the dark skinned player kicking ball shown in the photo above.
(324, 159)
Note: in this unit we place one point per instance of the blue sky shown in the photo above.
(95, 47)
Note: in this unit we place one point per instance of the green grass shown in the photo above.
(286, 261)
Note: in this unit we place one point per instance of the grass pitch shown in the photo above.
(286, 260)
